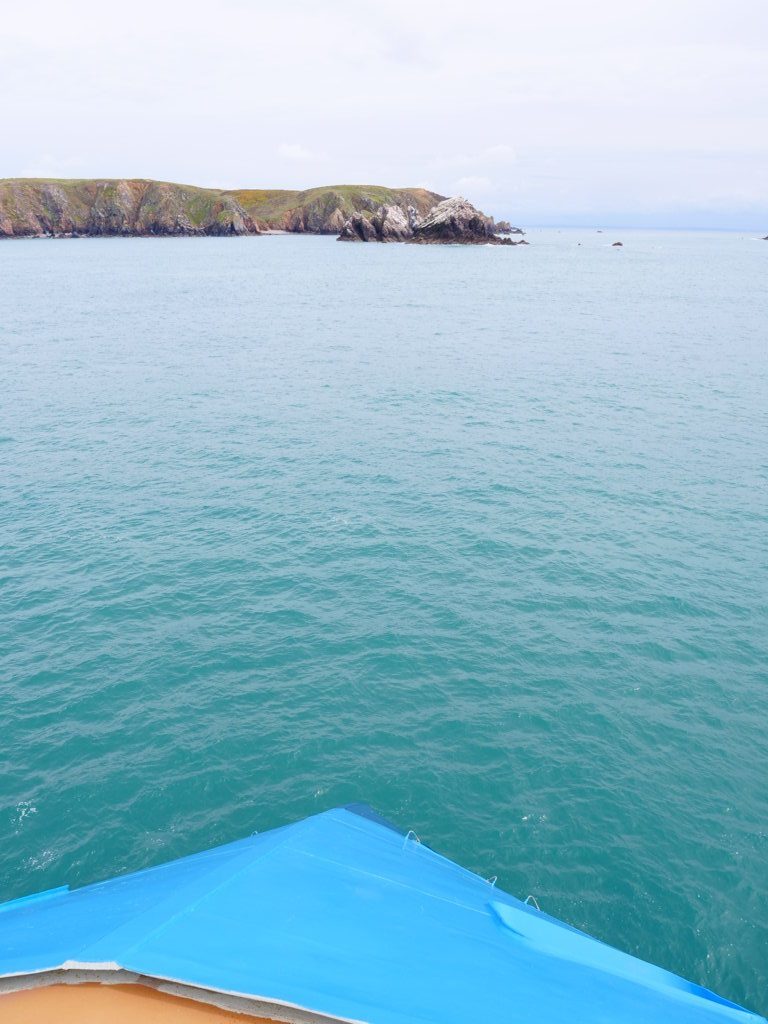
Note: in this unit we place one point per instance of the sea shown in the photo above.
(477, 535)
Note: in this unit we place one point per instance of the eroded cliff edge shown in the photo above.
(40, 208)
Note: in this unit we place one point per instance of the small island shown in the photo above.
(130, 207)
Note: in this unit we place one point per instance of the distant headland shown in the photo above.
(132, 207)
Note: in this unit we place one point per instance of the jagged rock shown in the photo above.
(456, 220)
(387, 224)
(450, 221)
(392, 224)
(503, 227)
(358, 229)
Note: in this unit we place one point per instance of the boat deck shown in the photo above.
(115, 1004)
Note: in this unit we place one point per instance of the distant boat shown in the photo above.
(340, 917)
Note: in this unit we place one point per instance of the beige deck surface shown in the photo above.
(110, 1004)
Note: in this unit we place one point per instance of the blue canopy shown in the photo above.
(343, 915)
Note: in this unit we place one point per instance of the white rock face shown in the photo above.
(392, 224)
(414, 217)
(387, 224)
(453, 220)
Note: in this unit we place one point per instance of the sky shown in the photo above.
(615, 112)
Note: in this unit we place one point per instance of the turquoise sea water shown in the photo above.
(479, 536)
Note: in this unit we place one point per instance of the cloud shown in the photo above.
(472, 183)
(49, 166)
(500, 154)
(540, 111)
(299, 154)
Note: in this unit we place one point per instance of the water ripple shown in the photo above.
(477, 537)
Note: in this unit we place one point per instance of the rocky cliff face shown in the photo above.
(325, 211)
(40, 208)
(451, 221)
(73, 209)
(456, 220)
(66, 209)
(387, 224)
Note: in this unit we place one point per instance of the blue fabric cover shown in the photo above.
(343, 915)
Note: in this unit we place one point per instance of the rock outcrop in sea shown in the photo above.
(451, 221)
(503, 227)
(41, 208)
(457, 220)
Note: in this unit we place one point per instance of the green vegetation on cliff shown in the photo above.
(324, 210)
(37, 207)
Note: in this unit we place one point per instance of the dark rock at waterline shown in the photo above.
(617, 243)
(456, 220)
(452, 221)
(503, 227)
(357, 229)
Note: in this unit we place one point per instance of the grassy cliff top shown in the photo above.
(269, 203)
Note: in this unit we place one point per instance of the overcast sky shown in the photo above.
(543, 111)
